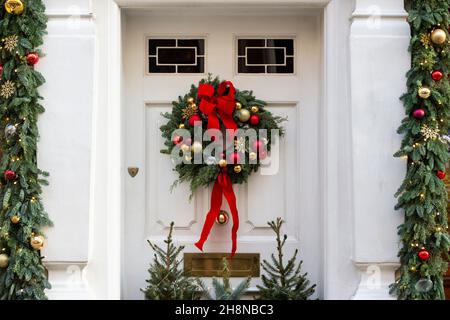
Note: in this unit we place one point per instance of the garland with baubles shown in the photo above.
(218, 105)
(423, 195)
(22, 273)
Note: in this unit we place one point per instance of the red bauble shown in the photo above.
(437, 75)
(10, 175)
(32, 58)
(177, 139)
(1, 70)
(262, 154)
(423, 255)
(254, 120)
(419, 113)
(235, 157)
(193, 119)
(258, 145)
(441, 174)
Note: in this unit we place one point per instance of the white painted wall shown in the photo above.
(65, 145)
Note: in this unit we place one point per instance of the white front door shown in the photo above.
(154, 77)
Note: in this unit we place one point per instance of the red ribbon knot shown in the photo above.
(220, 104)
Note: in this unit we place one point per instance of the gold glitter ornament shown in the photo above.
(10, 42)
(189, 111)
(425, 40)
(429, 133)
(7, 89)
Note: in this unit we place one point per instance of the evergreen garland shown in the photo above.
(167, 280)
(423, 194)
(284, 281)
(22, 216)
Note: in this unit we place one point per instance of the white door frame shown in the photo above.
(108, 171)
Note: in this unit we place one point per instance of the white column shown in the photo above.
(379, 61)
(65, 144)
(104, 268)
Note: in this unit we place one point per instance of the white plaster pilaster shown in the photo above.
(379, 61)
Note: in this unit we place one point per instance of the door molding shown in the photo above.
(109, 169)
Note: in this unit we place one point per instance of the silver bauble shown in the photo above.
(423, 285)
(10, 131)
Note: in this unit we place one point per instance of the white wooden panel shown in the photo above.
(65, 145)
(163, 206)
(69, 7)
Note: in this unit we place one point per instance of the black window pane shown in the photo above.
(243, 43)
(243, 68)
(153, 68)
(289, 68)
(265, 56)
(198, 43)
(176, 56)
(284, 43)
(155, 43)
(199, 68)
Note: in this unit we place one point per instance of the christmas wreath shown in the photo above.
(217, 134)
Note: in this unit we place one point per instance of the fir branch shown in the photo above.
(166, 279)
(283, 281)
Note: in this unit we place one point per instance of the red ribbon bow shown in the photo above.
(222, 186)
(221, 104)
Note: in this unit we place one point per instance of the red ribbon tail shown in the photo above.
(216, 203)
(222, 186)
(231, 199)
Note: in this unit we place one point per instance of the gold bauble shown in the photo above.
(4, 260)
(424, 92)
(238, 106)
(181, 126)
(237, 169)
(185, 148)
(15, 219)
(255, 109)
(190, 100)
(223, 163)
(222, 218)
(14, 6)
(253, 156)
(197, 147)
(438, 36)
(413, 269)
(244, 115)
(37, 242)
